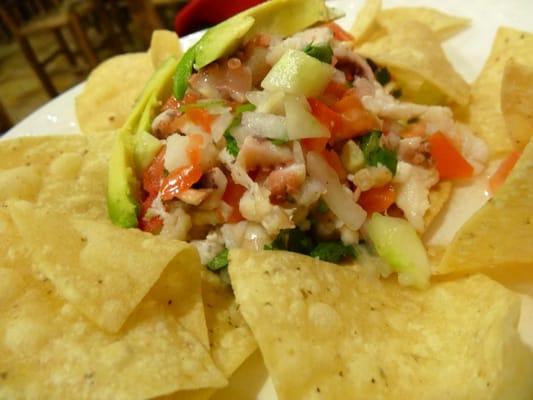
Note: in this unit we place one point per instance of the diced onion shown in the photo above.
(339, 201)
(265, 125)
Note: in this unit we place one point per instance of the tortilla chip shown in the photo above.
(365, 20)
(327, 331)
(443, 25)
(49, 350)
(164, 44)
(486, 118)
(103, 270)
(438, 197)
(517, 101)
(497, 239)
(413, 47)
(230, 337)
(111, 90)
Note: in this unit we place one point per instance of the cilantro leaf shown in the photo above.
(243, 108)
(292, 240)
(231, 144)
(321, 52)
(397, 93)
(383, 76)
(279, 142)
(375, 154)
(332, 251)
(220, 261)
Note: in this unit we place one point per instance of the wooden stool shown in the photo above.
(51, 22)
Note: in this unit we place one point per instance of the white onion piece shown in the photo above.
(265, 125)
(266, 102)
(176, 152)
(336, 197)
(219, 126)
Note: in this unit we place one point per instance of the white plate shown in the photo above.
(467, 51)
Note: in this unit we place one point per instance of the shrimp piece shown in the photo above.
(286, 180)
(262, 153)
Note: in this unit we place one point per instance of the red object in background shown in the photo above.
(198, 14)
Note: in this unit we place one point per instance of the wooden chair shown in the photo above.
(50, 20)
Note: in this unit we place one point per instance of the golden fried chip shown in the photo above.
(517, 101)
(49, 350)
(164, 44)
(438, 197)
(327, 331)
(497, 239)
(111, 90)
(443, 25)
(230, 337)
(414, 48)
(486, 118)
(365, 20)
(103, 270)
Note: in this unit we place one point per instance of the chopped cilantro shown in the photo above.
(372, 64)
(397, 93)
(243, 108)
(293, 240)
(220, 261)
(321, 52)
(279, 142)
(231, 144)
(375, 154)
(322, 207)
(332, 251)
(383, 76)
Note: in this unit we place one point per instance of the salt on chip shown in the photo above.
(103, 270)
(486, 119)
(230, 337)
(497, 239)
(365, 20)
(49, 350)
(517, 102)
(443, 25)
(111, 91)
(413, 47)
(164, 44)
(327, 331)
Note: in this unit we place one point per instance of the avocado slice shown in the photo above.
(122, 184)
(397, 242)
(183, 73)
(280, 17)
(145, 148)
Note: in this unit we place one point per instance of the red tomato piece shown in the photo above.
(339, 33)
(449, 161)
(314, 144)
(378, 199)
(179, 180)
(153, 174)
(232, 196)
(200, 117)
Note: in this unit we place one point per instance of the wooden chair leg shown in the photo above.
(82, 40)
(5, 121)
(37, 67)
(63, 45)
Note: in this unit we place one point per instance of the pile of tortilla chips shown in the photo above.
(92, 311)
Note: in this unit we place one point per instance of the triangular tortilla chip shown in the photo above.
(497, 239)
(415, 48)
(49, 350)
(365, 20)
(332, 332)
(486, 118)
(517, 101)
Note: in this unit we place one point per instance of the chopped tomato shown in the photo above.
(339, 33)
(335, 162)
(314, 144)
(153, 225)
(335, 88)
(504, 169)
(180, 180)
(378, 199)
(171, 104)
(200, 117)
(449, 161)
(357, 120)
(194, 149)
(232, 196)
(326, 116)
(153, 174)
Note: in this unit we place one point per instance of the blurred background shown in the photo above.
(48, 46)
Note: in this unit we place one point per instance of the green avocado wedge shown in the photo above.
(183, 73)
(122, 184)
